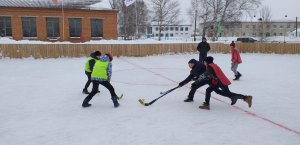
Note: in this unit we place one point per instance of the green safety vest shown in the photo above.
(87, 64)
(100, 70)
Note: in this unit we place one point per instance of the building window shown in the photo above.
(274, 34)
(181, 28)
(150, 30)
(52, 27)
(274, 26)
(268, 34)
(96, 27)
(5, 26)
(186, 28)
(176, 28)
(171, 28)
(244, 34)
(254, 34)
(253, 26)
(167, 29)
(75, 27)
(156, 28)
(247, 26)
(281, 26)
(29, 26)
(167, 35)
(171, 35)
(280, 34)
(156, 35)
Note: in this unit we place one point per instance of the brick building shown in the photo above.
(47, 21)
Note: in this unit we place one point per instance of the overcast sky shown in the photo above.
(279, 8)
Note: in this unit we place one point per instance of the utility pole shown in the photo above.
(195, 27)
(296, 26)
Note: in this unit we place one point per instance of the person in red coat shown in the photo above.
(219, 83)
(235, 60)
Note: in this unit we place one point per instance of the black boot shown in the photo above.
(189, 100)
(236, 78)
(85, 91)
(233, 100)
(115, 101)
(86, 103)
(239, 74)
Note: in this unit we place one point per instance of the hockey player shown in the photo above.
(219, 83)
(101, 74)
(197, 68)
(89, 65)
(235, 60)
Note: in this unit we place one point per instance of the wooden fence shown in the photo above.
(80, 50)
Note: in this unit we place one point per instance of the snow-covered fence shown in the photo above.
(82, 50)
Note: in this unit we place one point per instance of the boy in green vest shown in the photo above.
(89, 65)
(101, 74)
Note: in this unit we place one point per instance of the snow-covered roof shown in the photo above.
(80, 4)
(104, 5)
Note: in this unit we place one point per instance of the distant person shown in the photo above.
(197, 68)
(235, 60)
(203, 48)
(89, 65)
(101, 74)
(219, 83)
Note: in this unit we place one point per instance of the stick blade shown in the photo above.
(142, 101)
(120, 97)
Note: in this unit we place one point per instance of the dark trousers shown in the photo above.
(87, 84)
(221, 90)
(195, 87)
(106, 84)
(202, 57)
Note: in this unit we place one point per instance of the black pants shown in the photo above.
(87, 84)
(202, 57)
(106, 84)
(195, 87)
(221, 90)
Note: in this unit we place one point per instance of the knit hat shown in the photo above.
(194, 61)
(209, 59)
(110, 56)
(232, 44)
(97, 53)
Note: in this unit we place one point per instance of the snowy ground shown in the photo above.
(41, 103)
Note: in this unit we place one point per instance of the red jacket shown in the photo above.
(220, 75)
(235, 56)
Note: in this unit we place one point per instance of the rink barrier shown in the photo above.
(38, 51)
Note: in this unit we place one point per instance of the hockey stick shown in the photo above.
(142, 101)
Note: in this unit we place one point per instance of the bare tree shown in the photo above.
(213, 11)
(165, 12)
(133, 19)
(199, 13)
(113, 4)
(265, 21)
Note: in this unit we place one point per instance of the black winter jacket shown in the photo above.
(196, 71)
